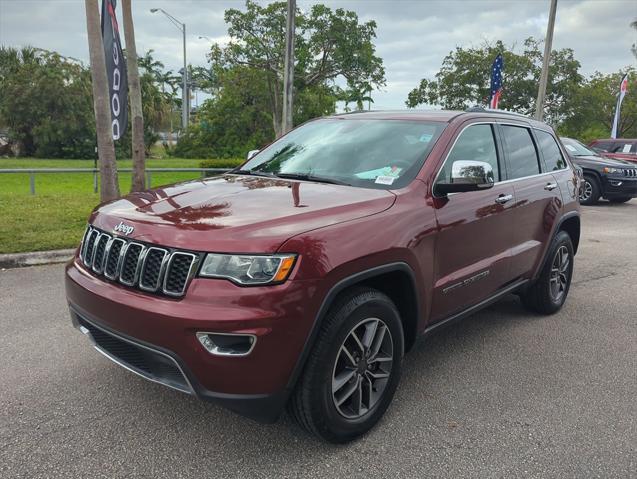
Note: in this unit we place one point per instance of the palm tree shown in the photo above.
(137, 115)
(109, 186)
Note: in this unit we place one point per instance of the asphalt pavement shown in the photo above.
(504, 393)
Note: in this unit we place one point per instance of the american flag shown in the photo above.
(496, 81)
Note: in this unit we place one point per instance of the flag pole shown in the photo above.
(539, 106)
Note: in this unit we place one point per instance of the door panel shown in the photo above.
(472, 248)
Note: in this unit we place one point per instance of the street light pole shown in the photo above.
(544, 76)
(184, 90)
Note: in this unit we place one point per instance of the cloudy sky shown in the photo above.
(413, 35)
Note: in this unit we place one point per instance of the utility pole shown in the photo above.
(109, 186)
(139, 153)
(548, 41)
(288, 75)
(185, 100)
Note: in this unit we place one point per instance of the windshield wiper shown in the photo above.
(306, 177)
(254, 173)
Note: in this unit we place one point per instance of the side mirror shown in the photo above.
(251, 153)
(467, 175)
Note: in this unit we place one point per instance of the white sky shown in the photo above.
(413, 36)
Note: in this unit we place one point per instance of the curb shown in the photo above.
(19, 260)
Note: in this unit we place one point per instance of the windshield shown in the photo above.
(575, 148)
(358, 152)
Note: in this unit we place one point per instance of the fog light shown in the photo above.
(227, 344)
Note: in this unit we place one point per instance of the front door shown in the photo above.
(473, 243)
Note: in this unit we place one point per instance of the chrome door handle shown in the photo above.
(550, 186)
(503, 199)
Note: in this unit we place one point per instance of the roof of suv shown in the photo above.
(434, 115)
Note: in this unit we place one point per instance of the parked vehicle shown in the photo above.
(302, 277)
(614, 180)
(619, 149)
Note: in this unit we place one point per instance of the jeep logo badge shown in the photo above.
(124, 228)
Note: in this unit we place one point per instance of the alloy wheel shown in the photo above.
(560, 273)
(362, 369)
(586, 191)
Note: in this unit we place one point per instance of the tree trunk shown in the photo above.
(139, 154)
(288, 76)
(109, 186)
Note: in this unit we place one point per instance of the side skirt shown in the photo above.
(475, 308)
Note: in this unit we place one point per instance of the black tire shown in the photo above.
(620, 199)
(541, 297)
(313, 402)
(590, 190)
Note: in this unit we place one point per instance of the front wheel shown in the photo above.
(353, 371)
(590, 191)
(548, 293)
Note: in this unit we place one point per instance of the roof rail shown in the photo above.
(481, 109)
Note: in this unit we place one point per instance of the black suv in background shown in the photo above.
(614, 180)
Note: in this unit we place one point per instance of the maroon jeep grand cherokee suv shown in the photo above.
(302, 277)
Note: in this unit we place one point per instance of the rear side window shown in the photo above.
(551, 152)
(474, 143)
(522, 157)
(623, 147)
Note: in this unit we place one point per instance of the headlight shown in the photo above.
(610, 170)
(248, 269)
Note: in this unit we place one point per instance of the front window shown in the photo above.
(369, 153)
(575, 148)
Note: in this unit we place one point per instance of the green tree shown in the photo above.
(46, 103)
(329, 44)
(594, 107)
(464, 80)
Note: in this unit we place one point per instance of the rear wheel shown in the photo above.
(353, 371)
(590, 191)
(620, 199)
(549, 292)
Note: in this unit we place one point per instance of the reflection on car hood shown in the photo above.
(602, 161)
(237, 213)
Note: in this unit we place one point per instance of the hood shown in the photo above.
(601, 161)
(235, 213)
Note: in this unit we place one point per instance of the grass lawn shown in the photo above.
(56, 216)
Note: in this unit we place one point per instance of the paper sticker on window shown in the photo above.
(626, 148)
(425, 138)
(385, 180)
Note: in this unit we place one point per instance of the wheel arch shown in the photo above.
(397, 280)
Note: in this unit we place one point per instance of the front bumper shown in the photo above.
(620, 187)
(162, 332)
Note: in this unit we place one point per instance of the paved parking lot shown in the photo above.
(503, 394)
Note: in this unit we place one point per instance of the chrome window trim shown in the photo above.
(162, 269)
(188, 276)
(115, 276)
(100, 268)
(241, 355)
(140, 259)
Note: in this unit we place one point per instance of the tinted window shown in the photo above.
(551, 152)
(521, 155)
(474, 143)
(602, 145)
(623, 147)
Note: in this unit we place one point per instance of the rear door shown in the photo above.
(537, 198)
(473, 242)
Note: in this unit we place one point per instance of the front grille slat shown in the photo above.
(149, 268)
(178, 272)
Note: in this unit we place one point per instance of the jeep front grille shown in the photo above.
(150, 268)
(631, 172)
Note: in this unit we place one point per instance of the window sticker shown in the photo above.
(391, 171)
(425, 138)
(626, 148)
(385, 180)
